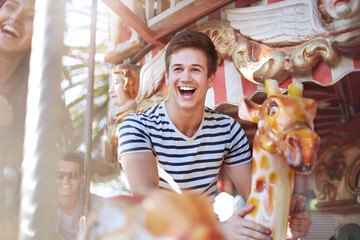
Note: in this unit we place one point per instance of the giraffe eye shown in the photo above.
(272, 110)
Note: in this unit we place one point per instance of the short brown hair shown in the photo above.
(197, 40)
(72, 156)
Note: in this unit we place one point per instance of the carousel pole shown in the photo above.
(89, 108)
(42, 123)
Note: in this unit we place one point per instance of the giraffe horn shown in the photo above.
(295, 89)
(272, 87)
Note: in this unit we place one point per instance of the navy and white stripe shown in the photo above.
(193, 163)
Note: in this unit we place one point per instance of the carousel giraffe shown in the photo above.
(284, 143)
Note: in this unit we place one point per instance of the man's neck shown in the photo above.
(67, 204)
(8, 65)
(187, 121)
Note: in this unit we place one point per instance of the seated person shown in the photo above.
(70, 194)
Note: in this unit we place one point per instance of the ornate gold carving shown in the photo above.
(270, 66)
(308, 54)
(352, 177)
(223, 36)
(257, 62)
(337, 171)
(286, 38)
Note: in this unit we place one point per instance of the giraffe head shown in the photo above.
(285, 125)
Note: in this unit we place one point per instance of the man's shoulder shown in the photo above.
(217, 116)
(147, 113)
(145, 116)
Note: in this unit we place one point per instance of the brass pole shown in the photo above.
(89, 108)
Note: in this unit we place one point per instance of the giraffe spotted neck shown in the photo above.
(284, 143)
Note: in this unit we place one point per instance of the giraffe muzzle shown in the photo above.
(300, 148)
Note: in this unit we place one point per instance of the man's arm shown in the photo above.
(241, 177)
(141, 171)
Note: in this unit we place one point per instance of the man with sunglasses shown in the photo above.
(69, 194)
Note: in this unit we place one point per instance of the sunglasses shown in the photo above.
(71, 175)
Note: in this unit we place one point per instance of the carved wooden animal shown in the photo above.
(284, 143)
(159, 216)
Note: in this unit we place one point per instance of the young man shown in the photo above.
(187, 140)
(69, 194)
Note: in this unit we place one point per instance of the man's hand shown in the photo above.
(237, 228)
(299, 222)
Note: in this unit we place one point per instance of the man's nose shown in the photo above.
(186, 75)
(66, 178)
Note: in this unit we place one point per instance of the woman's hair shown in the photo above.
(130, 78)
(197, 40)
(13, 134)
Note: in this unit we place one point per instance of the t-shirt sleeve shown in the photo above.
(239, 151)
(133, 136)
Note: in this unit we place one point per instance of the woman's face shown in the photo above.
(16, 25)
(116, 90)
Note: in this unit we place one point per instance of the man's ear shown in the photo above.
(211, 80)
(248, 110)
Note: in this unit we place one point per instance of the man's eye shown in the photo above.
(196, 70)
(177, 69)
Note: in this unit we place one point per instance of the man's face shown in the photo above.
(342, 9)
(188, 78)
(16, 25)
(65, 185)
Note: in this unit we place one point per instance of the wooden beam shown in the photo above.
(156, 36)
(195, 13)
(133, 21)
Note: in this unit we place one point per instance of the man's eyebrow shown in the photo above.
(176, 65)
(197, 65)
(194, 65)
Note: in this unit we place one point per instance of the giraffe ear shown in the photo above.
(248, 110)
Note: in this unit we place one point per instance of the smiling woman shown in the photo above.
(16, 27)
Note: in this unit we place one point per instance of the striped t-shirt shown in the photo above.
(193, 163)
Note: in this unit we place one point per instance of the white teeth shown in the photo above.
(187, 88)
(11, 29)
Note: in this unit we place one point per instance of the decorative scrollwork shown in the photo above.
(223, 36)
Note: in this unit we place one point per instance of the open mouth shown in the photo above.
(10, 30)
(186, 92)
(340, 2)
